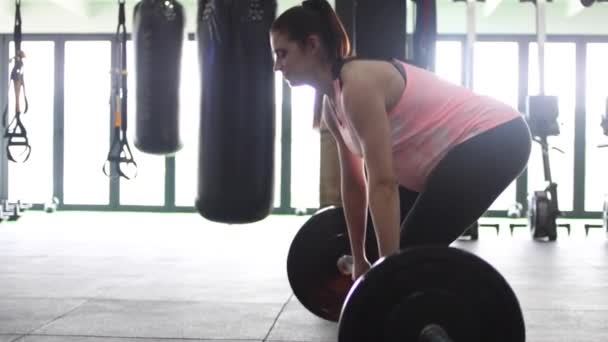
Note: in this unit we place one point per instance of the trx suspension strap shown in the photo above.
(15, 130)
(120, 152)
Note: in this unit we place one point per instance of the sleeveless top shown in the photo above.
(430, 118)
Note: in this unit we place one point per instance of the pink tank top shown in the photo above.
(424, 126)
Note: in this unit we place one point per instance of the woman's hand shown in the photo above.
(360, 267)
(355, 268)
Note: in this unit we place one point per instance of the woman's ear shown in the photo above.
(313, 43)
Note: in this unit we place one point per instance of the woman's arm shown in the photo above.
(364, 102)
(353, 188)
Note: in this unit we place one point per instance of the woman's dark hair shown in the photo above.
(315, 17)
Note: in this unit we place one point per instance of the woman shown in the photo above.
(400, 127)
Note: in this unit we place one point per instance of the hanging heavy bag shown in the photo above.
(386, 19)
(237, 126)
(425, 34)
(158, 37)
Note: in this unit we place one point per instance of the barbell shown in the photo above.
(427, 293)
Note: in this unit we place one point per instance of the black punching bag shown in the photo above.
(380, 29)
(237, 126)
(425, 34)
(158, 37)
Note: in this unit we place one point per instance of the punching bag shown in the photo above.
(388, 21)
(425, 34)
(158, 37)
(237, 125)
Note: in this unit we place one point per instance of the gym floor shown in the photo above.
(97, 276)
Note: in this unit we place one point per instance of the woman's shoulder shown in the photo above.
(362, 70)
(373, 72)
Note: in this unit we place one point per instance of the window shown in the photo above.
(32, 181)
(186, 160)
(148, 188)
(560, 80)
(305, 150)
(596, 182)
(495, 74)
(87, 121)
(448, 61)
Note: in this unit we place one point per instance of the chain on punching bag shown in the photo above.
(158, 37)
(237, 126)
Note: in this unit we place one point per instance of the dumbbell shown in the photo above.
(10, 211)
(425, 293)
(51, 206)
(23, 206)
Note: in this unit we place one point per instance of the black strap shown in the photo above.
(15, 131)
(120, 157)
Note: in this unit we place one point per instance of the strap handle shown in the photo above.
(15, 131)
(120, 155)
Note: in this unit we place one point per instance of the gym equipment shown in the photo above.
(440, 291)
(589, 3)
(315, 281)
(372, 21)
(604, 225)
(10, 210)
(14, 131)
(419, 292)
(158, 37)
(120, 151)
(51, 206)
(516, 210)
(472, 233)
(542, 113)
(4, 215)
(23, 206)
(312, 262)
(237, 125)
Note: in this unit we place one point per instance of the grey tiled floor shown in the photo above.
(89, 276)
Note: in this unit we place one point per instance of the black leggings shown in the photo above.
(464, 185)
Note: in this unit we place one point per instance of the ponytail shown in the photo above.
(336, 36)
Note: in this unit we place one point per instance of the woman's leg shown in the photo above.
(465, 183)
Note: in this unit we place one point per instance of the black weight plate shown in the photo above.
(312, 263)
(456, 289)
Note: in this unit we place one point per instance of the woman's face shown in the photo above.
(295, 61)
